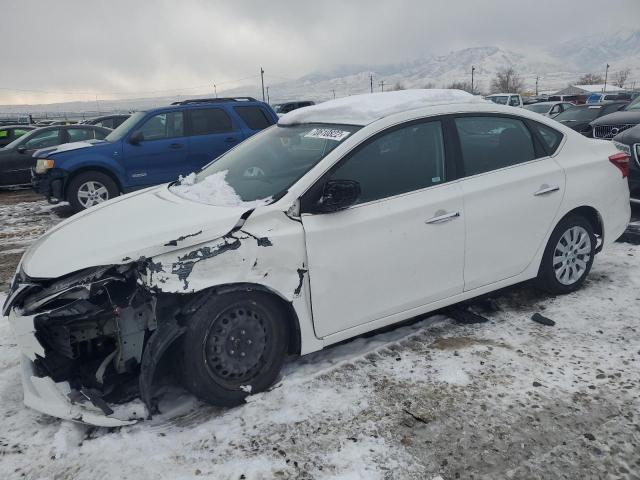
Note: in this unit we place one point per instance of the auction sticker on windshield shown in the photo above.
(328, 134)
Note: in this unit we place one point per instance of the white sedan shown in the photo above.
(344, 218)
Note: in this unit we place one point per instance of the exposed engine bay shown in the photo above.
(101, 330)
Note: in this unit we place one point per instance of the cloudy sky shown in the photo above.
(78, 49)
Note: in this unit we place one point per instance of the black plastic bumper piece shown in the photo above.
(50, 184)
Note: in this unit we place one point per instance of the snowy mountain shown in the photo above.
(593, 52)
(555, 68)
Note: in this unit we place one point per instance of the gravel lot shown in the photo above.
(433, 399)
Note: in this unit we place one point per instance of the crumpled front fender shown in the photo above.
(267, 251)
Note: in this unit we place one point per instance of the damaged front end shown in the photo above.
(90, 341)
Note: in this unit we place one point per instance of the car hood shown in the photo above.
(578, 126)
(67, 147)
(618, 118)
(124, 229)
(629, 137)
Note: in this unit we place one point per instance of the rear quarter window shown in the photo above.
(254, 117)
(550, 137)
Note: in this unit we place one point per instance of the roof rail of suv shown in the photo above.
(215, 100)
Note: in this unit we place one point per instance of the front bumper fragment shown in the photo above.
(50, 184)
(53, 398)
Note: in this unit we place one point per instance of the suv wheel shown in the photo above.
(89, 189)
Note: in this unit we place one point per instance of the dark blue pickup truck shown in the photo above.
(151, 147)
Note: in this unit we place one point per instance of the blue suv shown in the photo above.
(151, 147)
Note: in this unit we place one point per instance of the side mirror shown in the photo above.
(136, 137)
(21, 149)
(338, 195)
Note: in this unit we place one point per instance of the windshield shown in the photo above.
(22, 139)
(499, 99)
(538, 108)
(635, 105)
(579, 114)
(265, 165)
(124, 127)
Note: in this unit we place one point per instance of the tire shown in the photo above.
(568, 256)
(234, 341)
(90, 188)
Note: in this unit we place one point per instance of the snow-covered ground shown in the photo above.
(509, 398)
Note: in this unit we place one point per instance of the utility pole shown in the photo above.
(606, 73)
(381, 85)
(371, 81)
(537, 78)
(268, 95)
(215, 90)
(473, 69)
(262, 77)
(334, 94)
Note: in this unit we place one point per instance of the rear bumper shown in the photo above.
(43, 394)
(617, 218)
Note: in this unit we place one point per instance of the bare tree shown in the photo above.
(507, 80)
(590, 79)
(466, 86)
(621, 77)
(398, 86)
(429, 85)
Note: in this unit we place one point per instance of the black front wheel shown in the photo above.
(235, 344)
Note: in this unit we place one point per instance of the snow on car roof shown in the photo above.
(367, 108)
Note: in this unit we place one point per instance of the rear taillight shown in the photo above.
(621, 160)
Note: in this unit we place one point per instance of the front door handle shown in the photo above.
(545, 189)
(442, 216)
(175, 146)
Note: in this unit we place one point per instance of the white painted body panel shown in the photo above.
(380, 258)
(505, 222)
(124, 229)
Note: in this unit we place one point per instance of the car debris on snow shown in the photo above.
(542, 320)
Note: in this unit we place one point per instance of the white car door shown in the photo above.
(512, 192)
(401, 245)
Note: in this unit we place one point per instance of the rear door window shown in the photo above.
(493, 142)
(254, 117)
(207, 121)
(79, 134)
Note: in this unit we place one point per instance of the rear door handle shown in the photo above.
(545, 189)
(231, 139)
(175, 146)
(442, 217)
